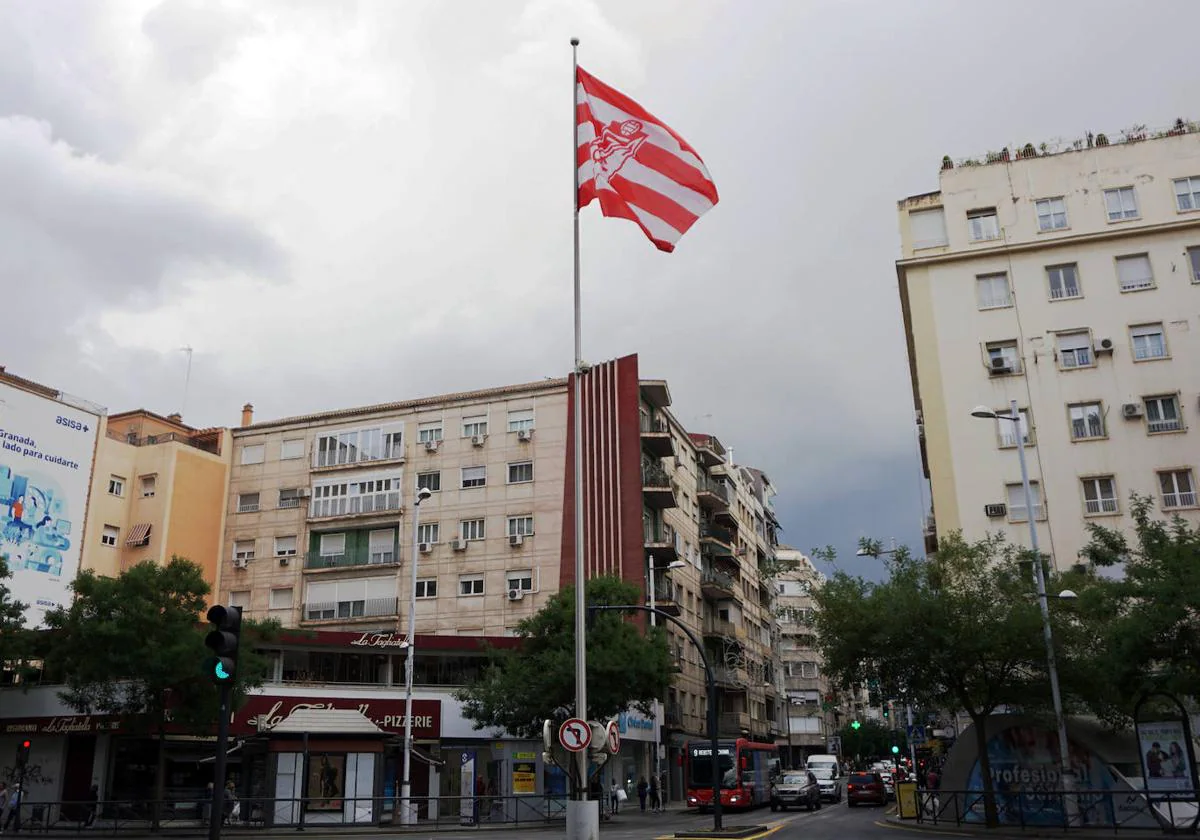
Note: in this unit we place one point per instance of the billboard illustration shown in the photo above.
(46, 453)
(1164, 755)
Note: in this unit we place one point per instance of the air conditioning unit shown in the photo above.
(477, 440)
(303, 493)
(515, 594)
(1131, 410)
(995, 511)
(283, 561)
(516, 540)
(425, 548)
(1001, 365)
(1104, 345)
(240, 562)
(525, 435)
(458, 545)
(432, 445)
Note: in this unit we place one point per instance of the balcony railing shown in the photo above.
(654, 424)
(1100, 505)
(720, 627)
(1179, 500)
(350, 557)
(734, 721)
(343, 610)
(657, 534)
(705, 486)
(381, 502)
(718, 580)
(653, 475)
(717, 533)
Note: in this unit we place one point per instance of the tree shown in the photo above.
(959, 630)
(521, 688)
(133, 646)
(872, 740)
(14, 638)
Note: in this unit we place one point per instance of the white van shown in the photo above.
(828, 771)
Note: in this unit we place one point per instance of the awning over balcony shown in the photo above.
(140, 535)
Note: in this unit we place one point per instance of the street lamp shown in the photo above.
(674, 564)
(408, 813)
(1014, 417)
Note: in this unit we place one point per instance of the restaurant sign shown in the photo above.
(60, 725)
(263, 712)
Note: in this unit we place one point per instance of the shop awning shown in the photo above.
(326, 722)
(140, 535)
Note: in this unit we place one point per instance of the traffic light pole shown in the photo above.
(217, 815)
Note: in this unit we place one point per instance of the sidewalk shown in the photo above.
(947, 828)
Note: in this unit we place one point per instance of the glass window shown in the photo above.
(1087, 421)
(285, 546)
(427, 432)
(243, 550)
(149, 486)
(520, 421)
(290, 449)
(1006, 430)
(428, 532)
(247, 502)
(520, 526)
(1134, 274)
(474, 476)
(289, 498)
(473, 426)
(1017, 512)
(253, 454)
(116, 485)
(110, 536)
(1121, 204)
(1002, 357)
(927, 228)
(1187, 193)
(427, 588)
(431, 481)
(520, 472)
(1194, 261)
(470, 585)
(382, 546)
(983, 225)
(333, 545)
(521, 580)
(1074, 349)
(281, 599)
(1064, 281)
(1148, 342)
(1051, 213)
(240, 599)
(1178, 489)
(1162, 414)
(1099, 495)
(992, 291)
(471, 529)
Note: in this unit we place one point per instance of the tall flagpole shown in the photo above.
(583, 820)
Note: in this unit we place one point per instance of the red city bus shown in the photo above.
(757, 766)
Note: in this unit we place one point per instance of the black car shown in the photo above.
(795, 787)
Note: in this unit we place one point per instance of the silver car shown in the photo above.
(796, 788)
(831, 788)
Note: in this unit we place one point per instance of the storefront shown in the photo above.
(635, 759)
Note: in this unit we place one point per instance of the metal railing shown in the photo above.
(712, 531)
(653, 424)
(1109, 810)
(363, 608)
(716, 488)
(211, 445)
(1177, 500)
(350, 557)
(653, 474)
(720, 580)
(192, 816)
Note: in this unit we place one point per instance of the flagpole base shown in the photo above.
(583, 819)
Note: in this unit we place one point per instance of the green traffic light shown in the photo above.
(895, 749)
(220, 671)
(855, 725)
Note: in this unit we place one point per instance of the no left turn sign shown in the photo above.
(614, 737)
(575, 735)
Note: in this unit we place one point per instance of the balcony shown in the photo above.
(656, 436)
(348, 610)
(733, 723)
(721, 628)
(709, 450)
(657, 491)
(717, 585)
(673, 716)
(716, 539)
(712, 495)
(349, 558)
(661, 542)
(383, 501)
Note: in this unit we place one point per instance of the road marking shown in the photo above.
(938, 831)
(773, 828)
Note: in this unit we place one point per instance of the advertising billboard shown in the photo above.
(46, 453)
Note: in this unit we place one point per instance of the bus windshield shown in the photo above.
(701, 770)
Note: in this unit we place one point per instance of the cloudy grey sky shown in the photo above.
(339, 203)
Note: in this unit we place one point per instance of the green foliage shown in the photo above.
(133, 646)
(521, 688)
(14, 638)
(872, 740)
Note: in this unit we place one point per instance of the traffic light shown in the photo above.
(895, 750)
(855, 725)
(223, 641)
(23, 749)
(887, 712)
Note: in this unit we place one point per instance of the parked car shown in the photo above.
(795, 787)
(865, 787)
(831, 788)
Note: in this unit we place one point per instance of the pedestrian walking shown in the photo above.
(12, 811)
(93, 804)
(613, 794)
(642, 790)
(655, 798)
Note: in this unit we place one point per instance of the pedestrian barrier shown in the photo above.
(1090, 810)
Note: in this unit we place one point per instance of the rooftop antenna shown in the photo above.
(187, 378)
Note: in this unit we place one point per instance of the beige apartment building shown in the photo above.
(1070, 282)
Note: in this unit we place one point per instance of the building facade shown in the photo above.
(1069, 282)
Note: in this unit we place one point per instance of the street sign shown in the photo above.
(575, 734)
(916, 733)
(835, 744)
(614, 737)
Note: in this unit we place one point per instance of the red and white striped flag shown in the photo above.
(636, 165)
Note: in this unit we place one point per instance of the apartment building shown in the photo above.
(1068, 281)
(158, 490)
(810, 713)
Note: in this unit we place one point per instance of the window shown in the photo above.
(1006, 430)
(474, 477)
(353, 446)
(289, 498)
(149, 486)
(367, 494)
(247, 502)
(1148, 342)
(1134, 274)
(290, 450)
(471, 529)
(1194, 260)
(353, 598)
(427, 432)
(428, 532)
(992, 291)
(110, 536)
(240, 599)
(285, 546)
(281, 599)
(116, 485)
(1087, 421)
(470, 585)
(927, 228)
(431, 481)
(1017, 512)
(1051, 213)
(427, 588)
(1002, 357)
(1099, 495)
(1064, 281)
(475, 425)
(243, 549)
(520, 421)
(1187, 193)
(983, 225)
(253, 454)
(382, 546)
(1178, 489)
(1074, 349)
(332, 548)
(521, 580)
(520, 472)
(1162, 414)
(1121, 204)
(520, 526)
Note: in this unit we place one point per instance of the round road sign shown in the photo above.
(575, 735)
(614, 737)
